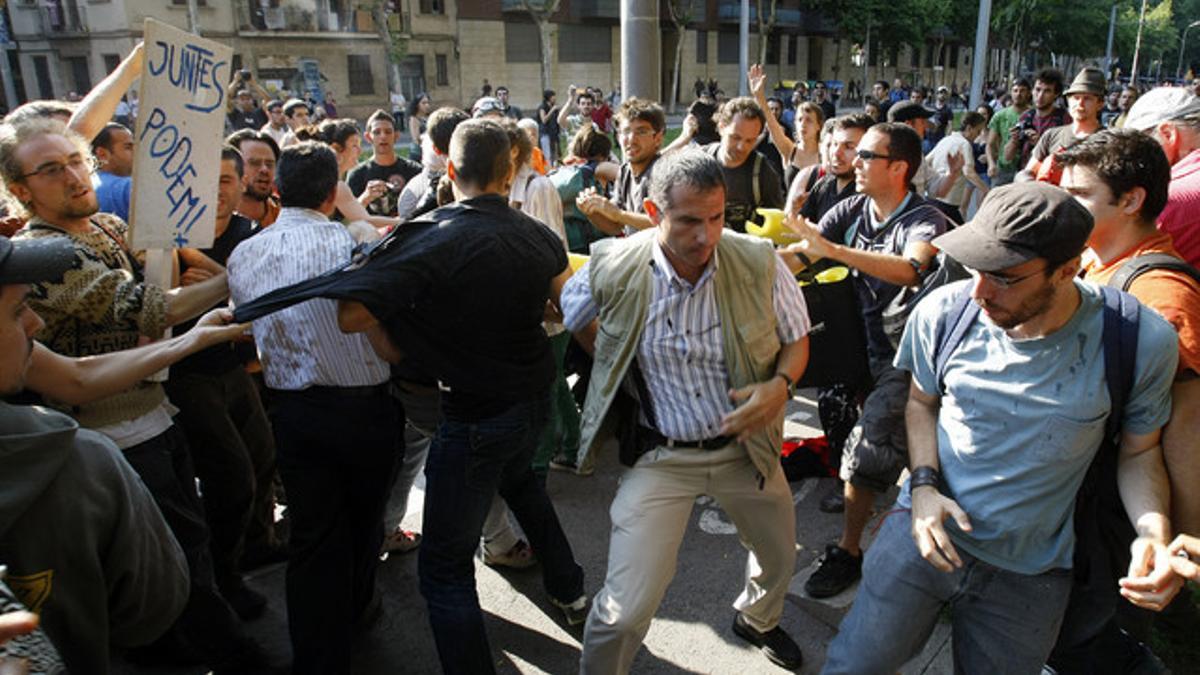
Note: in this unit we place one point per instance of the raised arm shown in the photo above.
(779, 135)
(100, 104)
(566, 109)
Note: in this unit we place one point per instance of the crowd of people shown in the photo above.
(1027, 308)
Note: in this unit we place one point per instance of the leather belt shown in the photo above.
(353, 392)
(714, 443)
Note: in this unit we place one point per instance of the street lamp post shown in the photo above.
(1182, 46)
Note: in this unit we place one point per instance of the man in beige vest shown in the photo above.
(711, 328)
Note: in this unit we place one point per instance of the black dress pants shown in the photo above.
(336, 450)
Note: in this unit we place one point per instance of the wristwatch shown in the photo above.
(791, 384)
(925, 475)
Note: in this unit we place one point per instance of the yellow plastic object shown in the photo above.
(576, 260)
(830, 276)
(773, 228)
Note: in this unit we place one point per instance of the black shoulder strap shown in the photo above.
(1138, 265)
(951, 329)
(1121, 315)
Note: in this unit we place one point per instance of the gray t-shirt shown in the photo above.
(1020, 421)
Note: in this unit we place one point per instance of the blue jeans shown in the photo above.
(1002, 621)
(470, 461)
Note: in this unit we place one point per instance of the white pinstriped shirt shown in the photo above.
(301, 346)
(682, 351)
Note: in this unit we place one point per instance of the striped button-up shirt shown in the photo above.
(681, 352)
(302, 346)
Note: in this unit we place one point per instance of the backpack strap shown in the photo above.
(1121, 315)
(754, 187)
(1136, 266)
(951, 329)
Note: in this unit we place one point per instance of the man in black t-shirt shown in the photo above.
(379, 181)
(223, 418)
(437, 300)
(750, 180)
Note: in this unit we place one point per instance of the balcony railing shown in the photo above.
(291, 18)
(63, 20)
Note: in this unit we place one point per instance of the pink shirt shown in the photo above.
(1181, 217)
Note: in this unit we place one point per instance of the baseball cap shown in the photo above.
(486, 105)
(1017, 223)
(905, 111)
(29, 261)
(1162, 104)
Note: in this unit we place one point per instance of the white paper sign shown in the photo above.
(177, 145)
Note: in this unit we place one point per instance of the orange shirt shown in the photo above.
(1174, 295)
(538, 162)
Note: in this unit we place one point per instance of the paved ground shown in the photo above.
(691, 632)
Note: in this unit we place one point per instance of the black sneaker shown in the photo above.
(775, 644)
(837, 571)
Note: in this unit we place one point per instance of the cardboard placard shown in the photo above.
(177, 144)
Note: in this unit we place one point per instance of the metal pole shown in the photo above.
(979, 56)
(641, 75)
(1112, 28)
(1182, 46)
(1137, 49)
(744, 49)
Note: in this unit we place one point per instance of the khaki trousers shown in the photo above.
(649, 516)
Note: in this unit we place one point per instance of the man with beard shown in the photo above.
(1003, 423)
(1046, 115)
(750, 180)
(641, 124)
(260, 154)
(838, 182)
(102, 306)
(1084, 98)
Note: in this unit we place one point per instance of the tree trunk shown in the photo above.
(674, 95)
(379, 16)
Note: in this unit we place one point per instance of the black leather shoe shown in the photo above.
(778, 646)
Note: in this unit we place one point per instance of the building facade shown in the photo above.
(447, 48)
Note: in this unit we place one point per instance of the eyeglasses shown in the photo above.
(867, 155)
(56, 170)
(1004, 282)
(640, 133)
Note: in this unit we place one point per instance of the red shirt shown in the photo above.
(1181, 217)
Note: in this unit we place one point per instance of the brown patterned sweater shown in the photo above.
(100, 306)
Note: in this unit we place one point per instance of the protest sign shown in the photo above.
(177, 150)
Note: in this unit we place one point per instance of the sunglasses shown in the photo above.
(867, 155)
